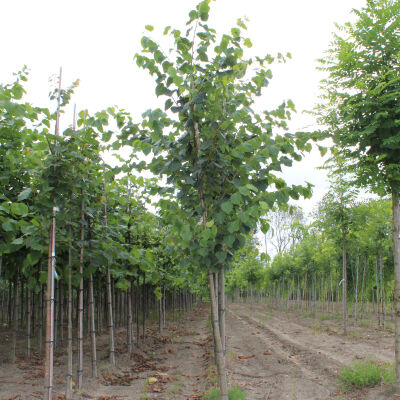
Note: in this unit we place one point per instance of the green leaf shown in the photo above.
(233, 226)
(28, 229)
(24, 194)
(209, 224)
(186, 235)
(204, 9)
(247, 43)
(235, 33)
(19, 209)
(227, 207)
(264, 226)
(5, 207)
(18, 241)
(149, 27)
(106, 136)
(221, 256)
(322, 150)
(244, 190)
(228, 240)
(236, 198)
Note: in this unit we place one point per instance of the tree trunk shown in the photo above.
(381, 290)
(221, 308)
(344, 282)
(48, 370)
(129, 322)
(356, 289)
(396, 254)
(15, 319)
(68, 393)
(110, 318)
(377, 291)
(92, 327)
(80, 299)
(363, 286)
(219, 353)
(28, 323)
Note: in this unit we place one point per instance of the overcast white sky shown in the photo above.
(95, 41)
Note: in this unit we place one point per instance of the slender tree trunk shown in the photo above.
(110, 318)
(381, 290)
(48, 371)
(344, 282)
(396, 254)
(144, 306)
(28, 323)
(68, 393)
(80, 300)
(61, 305)
(221, 308)
(109, 292)
(93, 327)
(129, 322)
(363, 286)
(15, 319)
(219, 353)
(356, 289)
(377, 291)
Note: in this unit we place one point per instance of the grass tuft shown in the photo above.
(234, 393)
(365, 374)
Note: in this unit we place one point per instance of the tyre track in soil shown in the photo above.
(343, 349)
(316, 356)
(276, 368)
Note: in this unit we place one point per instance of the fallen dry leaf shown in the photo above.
(246, 357)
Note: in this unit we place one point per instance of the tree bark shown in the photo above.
(68, 393)
(80, 301)
(15, 319)
(344, 282)
(396, 254)
(221, 308)
(219, 353)
(48, 370)
(93, 327)
(28, 323)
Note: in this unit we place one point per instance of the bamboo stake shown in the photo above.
(49, 342)
(15, 319)
(92, 327)
(68, 393)
(80, 300)
(109, 294)
(28, 323)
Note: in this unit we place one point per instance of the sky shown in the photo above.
(96, 40)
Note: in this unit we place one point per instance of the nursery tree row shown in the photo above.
(79, 249)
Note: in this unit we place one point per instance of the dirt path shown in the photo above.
(274, 357)
(168, 366)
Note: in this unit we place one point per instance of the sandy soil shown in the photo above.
(178, 360)
(278, 355)
(271, 355)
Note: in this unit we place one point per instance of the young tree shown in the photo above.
(363, 112)
(218, 155)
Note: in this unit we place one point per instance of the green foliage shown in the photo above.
(234, 393)
(220, 158)
(362, 94)
(40, 170)
(366, 373)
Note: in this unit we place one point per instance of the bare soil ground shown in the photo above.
(282, 355)
(177, 359)
(272, 355)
